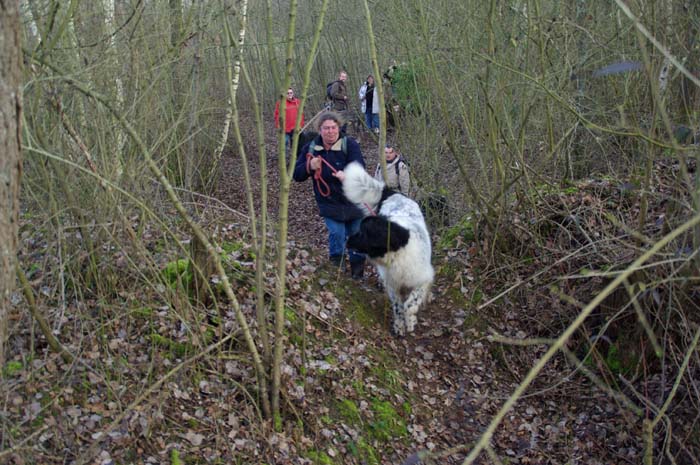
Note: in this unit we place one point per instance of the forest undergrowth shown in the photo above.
(160, 376)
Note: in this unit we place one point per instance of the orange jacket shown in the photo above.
(291, 110)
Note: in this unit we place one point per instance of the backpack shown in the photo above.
(396, 166)
(329, 86)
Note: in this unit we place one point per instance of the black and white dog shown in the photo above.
(394, 236)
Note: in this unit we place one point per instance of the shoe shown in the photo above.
(336, 260)
(357, 270)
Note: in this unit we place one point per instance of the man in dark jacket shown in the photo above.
(339, 93)
(339, 100)
(324, 159)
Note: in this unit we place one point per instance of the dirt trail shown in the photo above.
(435, 354)
(458, 379)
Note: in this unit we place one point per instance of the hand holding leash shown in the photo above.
(314, 163)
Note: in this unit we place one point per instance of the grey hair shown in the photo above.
(326, 116)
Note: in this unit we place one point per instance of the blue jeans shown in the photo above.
(372, 119)
(338, 233)
(288, 140)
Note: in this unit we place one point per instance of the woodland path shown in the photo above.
(457, 378)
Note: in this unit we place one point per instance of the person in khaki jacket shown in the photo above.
(398, 177)
(339, 93)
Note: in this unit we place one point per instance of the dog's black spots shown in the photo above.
(377, 236)
(397, 242)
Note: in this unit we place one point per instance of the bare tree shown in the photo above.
(10, 163)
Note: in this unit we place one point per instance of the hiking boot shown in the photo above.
(357, 269)
(336, 261)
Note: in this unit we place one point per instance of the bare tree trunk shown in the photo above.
(191, 158)
(28, 18)
(11, 161)
(110, 8)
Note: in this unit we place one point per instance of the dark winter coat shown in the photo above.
(339, 94)
(334, 205)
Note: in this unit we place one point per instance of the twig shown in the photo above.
(531, 278)
(493, 456)
(41, 321)
(485, 438)
(179, 207)
(658, 45)
(21, 444)
(94, 448)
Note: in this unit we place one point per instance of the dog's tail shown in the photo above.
(362, 189)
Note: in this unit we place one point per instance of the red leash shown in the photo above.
(323, 188)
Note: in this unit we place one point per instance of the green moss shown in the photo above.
(178, 349)
(464, 230)
(349, 412)
(34, 267)
(613, 361)
(209, 335)
(12, 368)
(359, 387)
(177, 270)
(477, 296)
(38, 422)
(142, 312)
(356, 305)
(387, 377)
(230, 247)
(319, 457)
(296, 339)
(450, 270)
(455, 295)
(364, 452)
(387, 424)
(623, 359)
(383, 359)
(278, 422)
(175, 457)
(290, 315)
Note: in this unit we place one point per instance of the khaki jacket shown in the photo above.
(400, 182)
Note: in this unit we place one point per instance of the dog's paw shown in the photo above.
(398, 329)
(411, 321)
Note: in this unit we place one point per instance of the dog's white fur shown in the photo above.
(406, 273)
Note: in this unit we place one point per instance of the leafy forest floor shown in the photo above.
(352, 392)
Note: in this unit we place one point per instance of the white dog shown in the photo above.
(394, 236)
